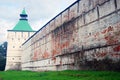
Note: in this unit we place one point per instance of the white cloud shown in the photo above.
(36, 25)
(4, 26)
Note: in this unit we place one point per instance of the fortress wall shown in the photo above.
(86, 31)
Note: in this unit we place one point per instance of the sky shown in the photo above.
(39, 13)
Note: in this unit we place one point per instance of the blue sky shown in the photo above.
(39, 12)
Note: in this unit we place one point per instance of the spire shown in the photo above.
(23, 12)
(23, 15)
(23, 24)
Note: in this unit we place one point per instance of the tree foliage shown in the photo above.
(3, 50)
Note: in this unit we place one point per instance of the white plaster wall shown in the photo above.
(14, 51)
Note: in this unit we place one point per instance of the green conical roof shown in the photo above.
(23, 24)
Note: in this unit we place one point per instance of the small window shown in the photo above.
(19, 58)
(13, 46)
(22, 34)
(28, 34)
(12, 38)
(19, 46)
(12, 58)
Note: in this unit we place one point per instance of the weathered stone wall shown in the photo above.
(87, 30)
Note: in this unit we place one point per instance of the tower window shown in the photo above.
(13, 46)
(15, 34)
(19, 39)
(22, 34)
(12, 38)
(28, 34)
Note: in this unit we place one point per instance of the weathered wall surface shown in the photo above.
(87, 30)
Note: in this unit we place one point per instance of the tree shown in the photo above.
(2, 63)
(3, 50)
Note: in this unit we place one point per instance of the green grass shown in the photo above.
(60, 75)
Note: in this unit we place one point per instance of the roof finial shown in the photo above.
(23, 15)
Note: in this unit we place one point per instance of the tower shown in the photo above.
(16, 37)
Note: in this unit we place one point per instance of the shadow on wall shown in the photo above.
(104, 64)
(16, 66)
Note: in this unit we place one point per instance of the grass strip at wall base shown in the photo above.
(60, 75)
